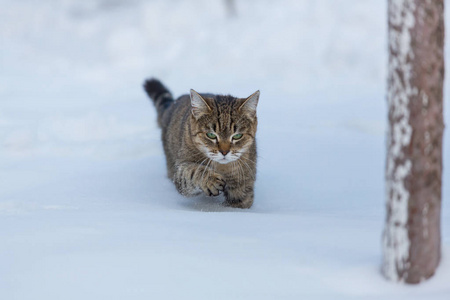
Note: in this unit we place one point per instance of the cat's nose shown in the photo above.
(224, 148)
(224, 151)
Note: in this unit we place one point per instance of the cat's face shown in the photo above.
(223, 127)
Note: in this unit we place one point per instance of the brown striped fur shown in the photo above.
(197, 163)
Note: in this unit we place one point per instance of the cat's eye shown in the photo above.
(237, 136)
(211, 135)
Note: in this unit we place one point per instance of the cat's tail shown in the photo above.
(160, 95)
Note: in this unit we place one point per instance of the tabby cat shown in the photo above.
(209, 142)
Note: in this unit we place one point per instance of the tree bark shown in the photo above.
(412, 237)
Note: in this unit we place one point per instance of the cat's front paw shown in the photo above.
(239, 203)
(213, 185)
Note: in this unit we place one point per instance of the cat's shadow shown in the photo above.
(207, 204)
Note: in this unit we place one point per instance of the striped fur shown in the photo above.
(197, 163)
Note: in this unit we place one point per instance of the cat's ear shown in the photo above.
(249, 105)
(199, 107)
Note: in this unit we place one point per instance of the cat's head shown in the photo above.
(223, 127)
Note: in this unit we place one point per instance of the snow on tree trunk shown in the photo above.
(411, 239)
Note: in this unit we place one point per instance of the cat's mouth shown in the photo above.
(223, 161)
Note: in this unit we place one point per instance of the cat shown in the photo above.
(209, 142)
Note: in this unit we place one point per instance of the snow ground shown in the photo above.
(86, 211)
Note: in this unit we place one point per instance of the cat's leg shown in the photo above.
(239, 191)
(239, 196)
(191, 179)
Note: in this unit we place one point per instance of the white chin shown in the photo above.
(222, 161)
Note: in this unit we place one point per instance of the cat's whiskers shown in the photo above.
(199, 165)
(249, 168)
(197, 162)
(233, 167)
(249, 160)
(206, 167)
(243, 172)
(238, 172)
(241, 175)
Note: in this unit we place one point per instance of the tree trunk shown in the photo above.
(411, 239)
(231, 8)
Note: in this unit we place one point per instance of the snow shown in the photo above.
(86, 210)
(396, 244)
